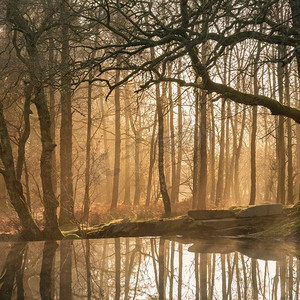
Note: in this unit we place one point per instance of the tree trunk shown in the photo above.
(115, 188)
(127, 155)
(196, 154)
(212, 155)
(13, 265)
(219, 191)
(49, 199)
(151, 160)
(162, 180)
(66, 178)
(108, 178)
(161, 171)
(254, 130)
(253, 156)
(172, 138)
(237, 160)
(137, 192)
(166, 134)
(36, 80)
(227, 170)
(13, 186)
(297, 101)
(26, 132)
(179, 146)
(280, 135)
(203, 153)
(86, 203)
(290, 178)
(52, 110)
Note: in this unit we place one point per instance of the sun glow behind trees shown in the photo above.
(178, 78)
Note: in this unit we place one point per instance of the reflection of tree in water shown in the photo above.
(13, 272)
(47, 285)
(65, 286)
(146, 268)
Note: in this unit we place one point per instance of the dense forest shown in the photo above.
(123, 103)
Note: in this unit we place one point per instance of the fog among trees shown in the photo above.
(133, 104)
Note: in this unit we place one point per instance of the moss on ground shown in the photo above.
(288, 228)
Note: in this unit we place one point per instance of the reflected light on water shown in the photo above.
(149, 268)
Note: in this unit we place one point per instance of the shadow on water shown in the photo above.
(150, 268)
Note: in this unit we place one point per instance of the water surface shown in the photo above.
(149, 268)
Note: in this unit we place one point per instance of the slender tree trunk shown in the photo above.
(254, 130)
(237, 160)
(161, 171)
(137, 192)
(115, 189)
(162, 180)
(196, 155)
(290, 193)
(234, 147)
(212, 155)
(86, 203)
(179, 145)
(108, 178)
(172, 139)
(220, 181)
(203, 153)
(253, 156)
(26, 173)
(297, 100)
(153, 149)
(280, 135)
(127, 155)
(52, 111)
(151, 160)
(166, 134)
(227, 175)
(66, 178)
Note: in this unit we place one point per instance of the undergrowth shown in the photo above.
(99, 214)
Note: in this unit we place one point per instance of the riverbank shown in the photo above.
(256, 222)
(272, 222)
